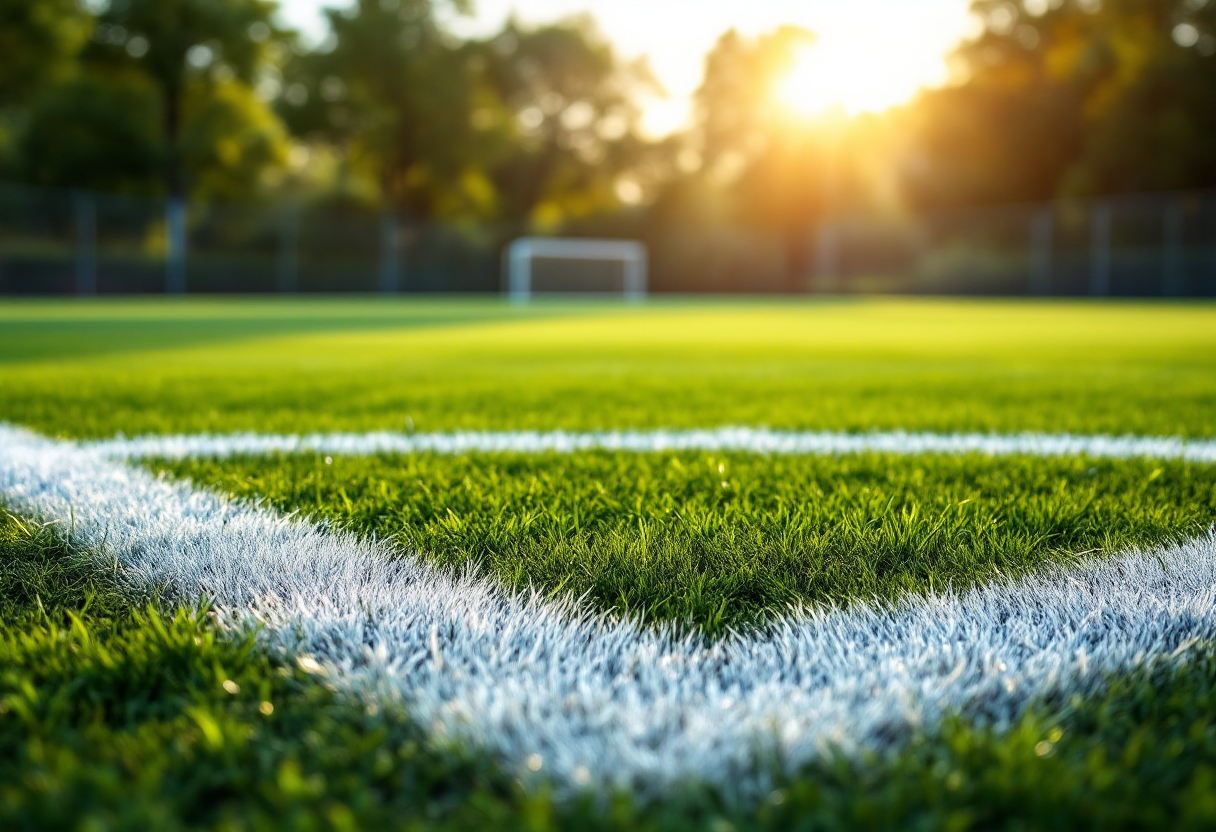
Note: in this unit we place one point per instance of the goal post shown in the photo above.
(522, 253)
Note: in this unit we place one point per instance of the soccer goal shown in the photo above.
(553, 265)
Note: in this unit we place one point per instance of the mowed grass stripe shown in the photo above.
(729, 540)
(603, 704)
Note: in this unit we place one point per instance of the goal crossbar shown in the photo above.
(524, 250)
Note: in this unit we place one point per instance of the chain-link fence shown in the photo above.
(1159, 245)
(54, 242)
(59, 242)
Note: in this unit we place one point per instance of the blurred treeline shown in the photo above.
(540, 127)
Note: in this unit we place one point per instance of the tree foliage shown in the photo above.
(395, 96)
(38, 39)
(566, 115)
(92, 132)
(1071, 97)
(779, 171)
(540, 125)
(181, 44)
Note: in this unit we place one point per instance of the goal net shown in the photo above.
(553, 265)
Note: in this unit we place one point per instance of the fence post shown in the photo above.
(85, 209)
(289, 239)
(1171, 250)
(175, 255)
(390, 255)
(1099, 249)
(1211, 230)
(1042, 226)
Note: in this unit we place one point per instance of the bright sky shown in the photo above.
(871, 53)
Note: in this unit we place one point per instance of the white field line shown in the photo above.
(756, 440)
(597, 702)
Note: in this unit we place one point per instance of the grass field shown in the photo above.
(94, 370)
(123, 707)
(728, 540)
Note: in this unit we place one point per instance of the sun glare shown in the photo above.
(809, 89)
(852, 77)
(869, 54)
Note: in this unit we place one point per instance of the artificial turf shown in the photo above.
(727, 540)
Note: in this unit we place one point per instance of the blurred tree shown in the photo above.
(230, 141)
(94, 132)
(185, 47)
(39, 40)
(738, 115)
(1071, 97)
(532, 124)
(396, 95)
(784, 171)
(566, 115)
(1150, 124)
(1010, 132)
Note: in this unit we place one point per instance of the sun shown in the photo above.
(831, 77)
(808, 89)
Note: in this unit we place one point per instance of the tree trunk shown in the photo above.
(534, 187)
(175, 181)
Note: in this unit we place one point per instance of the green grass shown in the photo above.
(41, 330)
(726, 540)
(113, 708)
(94, 370)
(116, 714)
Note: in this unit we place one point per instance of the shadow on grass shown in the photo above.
(70, 329)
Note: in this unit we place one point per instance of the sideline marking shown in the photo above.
(755, 440)
(608, 703)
